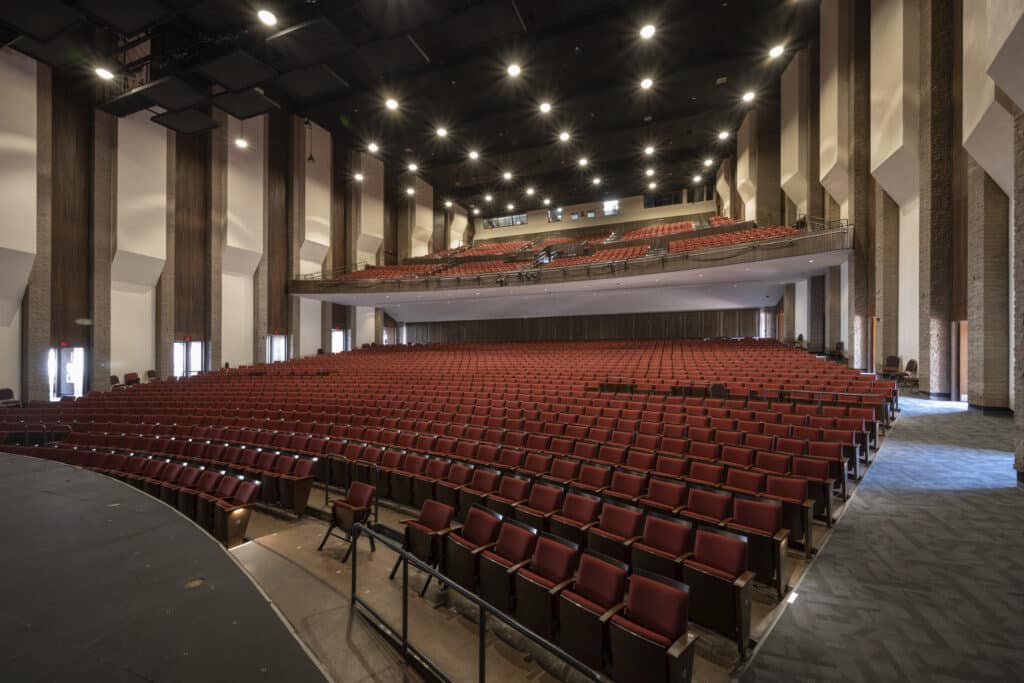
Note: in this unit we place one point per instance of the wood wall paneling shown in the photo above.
(958, 267)
(192, 227)
(278, 197)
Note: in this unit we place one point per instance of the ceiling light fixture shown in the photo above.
(372, 147)
(105, 74)
(510, 206)
(547, 202)
(647, 32)
(723, 135)
(448, 204)
(583, 161)
(708, 162)
(474, 155)
(410, 191)
(748, 96)
(529, 192)
(413, 168)
(564, 136)
(391, 103)
(597, 181)
(697, 178)
(651, 185)
(545, 107)
(241, 143)
(776, 51)
(648, 150)
(267, 17)
(646, 83)
(476, 212)
(507, 175)
(649, 172)
(442, 132)
(488, 197)
(514, 70)
(358, 177)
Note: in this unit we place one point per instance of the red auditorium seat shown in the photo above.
(465, 545)
(618, 527)
(544, 501)
(498, 566)
(512, 492)
(578, 514)
(425, 534)
(717, 576)
(665, 543)
(761, 522)
(588, 606)
(539, 584)
(346, 512)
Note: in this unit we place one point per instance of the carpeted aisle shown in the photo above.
(923, 579)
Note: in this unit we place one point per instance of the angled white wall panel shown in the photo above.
(243, 243)
(141, 201)
(795, 131)
(834, 112)
(746, 165)
(423, 219)
(368, 226)
(316, 226)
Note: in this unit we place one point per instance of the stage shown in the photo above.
(101, 582)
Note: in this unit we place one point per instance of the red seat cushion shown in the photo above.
(600, 582)
(725, 554)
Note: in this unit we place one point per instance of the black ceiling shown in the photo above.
(445, 61)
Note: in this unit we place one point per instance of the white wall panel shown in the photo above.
(834, 131)
(310, 322)
(316, 228)
(141, 200)
(1006, 37)
(10, 359)
(364, 320)
(795, 131)
(132, 329)
(369, 221)
(17, 180)
(423, 219)
(723, 187)
(746, 165)
(909, 281)
(801, 303)
(237, 319)
(457, 230)
(243, 243)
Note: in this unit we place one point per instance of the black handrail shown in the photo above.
(417, 657)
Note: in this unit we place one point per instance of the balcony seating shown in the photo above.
(726, 239)
(649, 642)
(721, 588)
(539, 584)
(586, 608)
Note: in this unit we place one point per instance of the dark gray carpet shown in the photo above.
(923, 579)
(95, 585)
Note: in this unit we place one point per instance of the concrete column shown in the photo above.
(936, 135)
(799, 136)
(218, 234)
(757, 166)
(725, 186)
(104, 230)
(165, 285)
(816, 314)
(1018, 286)
(789, 313)
(35, 311)
(988, 295)
(887, 275)
(833, 306)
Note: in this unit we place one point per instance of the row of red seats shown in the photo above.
(658, 230)
(602, 256)
(726, 239)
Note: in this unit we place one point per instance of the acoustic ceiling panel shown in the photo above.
(237, 71)
(316, 81)
(186, 122)
(127, 16)
(170, 92)
(126, 104)
(39, 19)
(307, 43)
(61, 51)
(386, 56)
(245, 104)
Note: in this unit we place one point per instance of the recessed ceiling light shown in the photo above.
(596, 181)
(510, 206)
(697, 178)
(448, 204)
(646, 83)
(723, 135)
(564, 136)
(358, 177)
(442, 132)
(476, 212)
(413, 168)
(410, 191)
(105, 74)
(507, 175)
(708, 162)
(748, 96)
(651, 185)
(647, 32)
(267, 17)
(474, 155)
(648, 150)
(488, 197)
(391, 103)
(372, 147)
(583, 161)
(649, 172)
(241, 143)
(547, 202)
(810, 260)
(776, 51)
(529, 191)
(514, 70)
(545, 107)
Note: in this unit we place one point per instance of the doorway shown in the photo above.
(66, 368)
(189, 357)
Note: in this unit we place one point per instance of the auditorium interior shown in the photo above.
(633, 341)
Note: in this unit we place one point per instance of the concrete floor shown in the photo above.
(312, 590)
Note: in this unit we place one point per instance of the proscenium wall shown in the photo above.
(671, 325)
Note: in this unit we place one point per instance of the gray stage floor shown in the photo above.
(921, 580)
(100, 582)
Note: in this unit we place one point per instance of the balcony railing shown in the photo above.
(819, 237)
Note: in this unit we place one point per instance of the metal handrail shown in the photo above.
(400, 637)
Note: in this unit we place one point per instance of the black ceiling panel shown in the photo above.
(126, 104)
(217, 15)
(186, 122)
(307, 43)
(237, 71)
(65, 49)
(127, 16)
(39, 19)
(398, 16)
(171, 92)
(245, 104)
(387, 56)
(314, 82)
(484, 23)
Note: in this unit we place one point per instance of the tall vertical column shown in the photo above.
(789, 313)
(936, 131)
(799, 136)
(1018, 286)
(104, 216)
(816, 314)
(833, 307)
(165, 292)
(725, 186)
(217, 237)
(887, 275)
(988, 295)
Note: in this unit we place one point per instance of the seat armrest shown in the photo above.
(612, 611)
(559, 587)
(743, 579)
(685, 642)
(808, 503)
(781, 535)
(480, 548)
(586, 527)
(630, 541)
(516, 567)
(682, 558)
